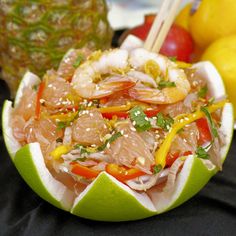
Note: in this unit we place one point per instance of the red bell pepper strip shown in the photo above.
(171, 157)
(119, 114)
(204, 131)
(151, 112)
(84, 171)
(124, 114)
(39, 96)
(123, 173)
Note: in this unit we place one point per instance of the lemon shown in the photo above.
(182, 19)
(222, 53)
(212, 20)
(107, 199)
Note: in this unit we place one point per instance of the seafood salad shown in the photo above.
(134, 114)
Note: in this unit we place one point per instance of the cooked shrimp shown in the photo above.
(84, 79)
(164, 69)
(89, 128)
(131, 150)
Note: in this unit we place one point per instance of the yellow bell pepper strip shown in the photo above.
(67, 117)
(180, 122)
(59, 151)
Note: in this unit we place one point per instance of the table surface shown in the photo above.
(211, 212)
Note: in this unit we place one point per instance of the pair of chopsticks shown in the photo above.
(161, 25)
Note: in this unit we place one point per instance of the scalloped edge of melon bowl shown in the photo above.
(107, 199)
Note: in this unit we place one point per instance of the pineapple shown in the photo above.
(35, 34)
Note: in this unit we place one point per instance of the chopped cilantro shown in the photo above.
(83, 150)
(166, 84)
(78, 61)
(212, 124)
(174, 59)
(110, 140)
(81, 159)
(202, 92)
(61, 125)
(157, 169)
(140, 120)
(164, 122)
(202, 153)
(35, 87)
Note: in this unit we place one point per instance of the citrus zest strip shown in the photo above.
(115, 108)
(38, 104)
(123, 173)
(180, 122)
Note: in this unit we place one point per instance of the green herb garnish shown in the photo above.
(81, 159)
(61, 125)
(83, 150)
(109, 141)
(166, 84)
(140, 120)
(78, 61)
(202, 92)
(202, 153)
(164, 122)
(157, 169)
(174, 59)
(35, 87)
(212, 124)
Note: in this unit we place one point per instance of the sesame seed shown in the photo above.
(126, 135)
(132, 129)
(88, 129)
(41, 100)
(50, 85)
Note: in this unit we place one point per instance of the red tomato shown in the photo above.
(204, 131)
(122, 173)
(178, 42)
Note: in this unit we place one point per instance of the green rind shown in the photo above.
(27, 169)
(106, 201)
(197, 179)
(11, 144)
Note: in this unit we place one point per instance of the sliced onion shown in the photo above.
(143, 183)
(174, 169)
(67, 136)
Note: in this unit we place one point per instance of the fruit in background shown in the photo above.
(35, 35)
(222, 53)
(178, 43)
(212, 20)
(182, 19)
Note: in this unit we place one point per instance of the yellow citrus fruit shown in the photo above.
(212, 20)
(222, 53)
(183, 17)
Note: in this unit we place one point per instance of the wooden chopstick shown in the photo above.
(156, 26)
(161, 25)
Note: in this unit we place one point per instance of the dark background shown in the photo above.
(211, 212)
